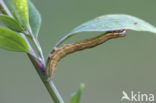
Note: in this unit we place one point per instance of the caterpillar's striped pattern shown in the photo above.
(66, 49)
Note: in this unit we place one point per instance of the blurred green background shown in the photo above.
(121, 64)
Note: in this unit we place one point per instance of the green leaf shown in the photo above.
(34, 18)
(10, 23)
(75, 98)
(19, 10)
(12, 41)
(114, 22)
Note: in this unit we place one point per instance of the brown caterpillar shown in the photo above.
(66, 49)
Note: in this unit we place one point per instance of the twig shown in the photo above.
(55, 95)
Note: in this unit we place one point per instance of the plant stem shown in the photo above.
(56, 91)
(37, 64)
(37, 45)
(55, 95)
(5, 8)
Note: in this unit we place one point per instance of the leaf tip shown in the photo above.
(82, 85)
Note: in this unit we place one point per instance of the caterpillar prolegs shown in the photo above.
(66, 49)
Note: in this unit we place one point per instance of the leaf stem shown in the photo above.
(60, 42)
(37, 45)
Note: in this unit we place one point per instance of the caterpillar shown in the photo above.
(66, 49)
